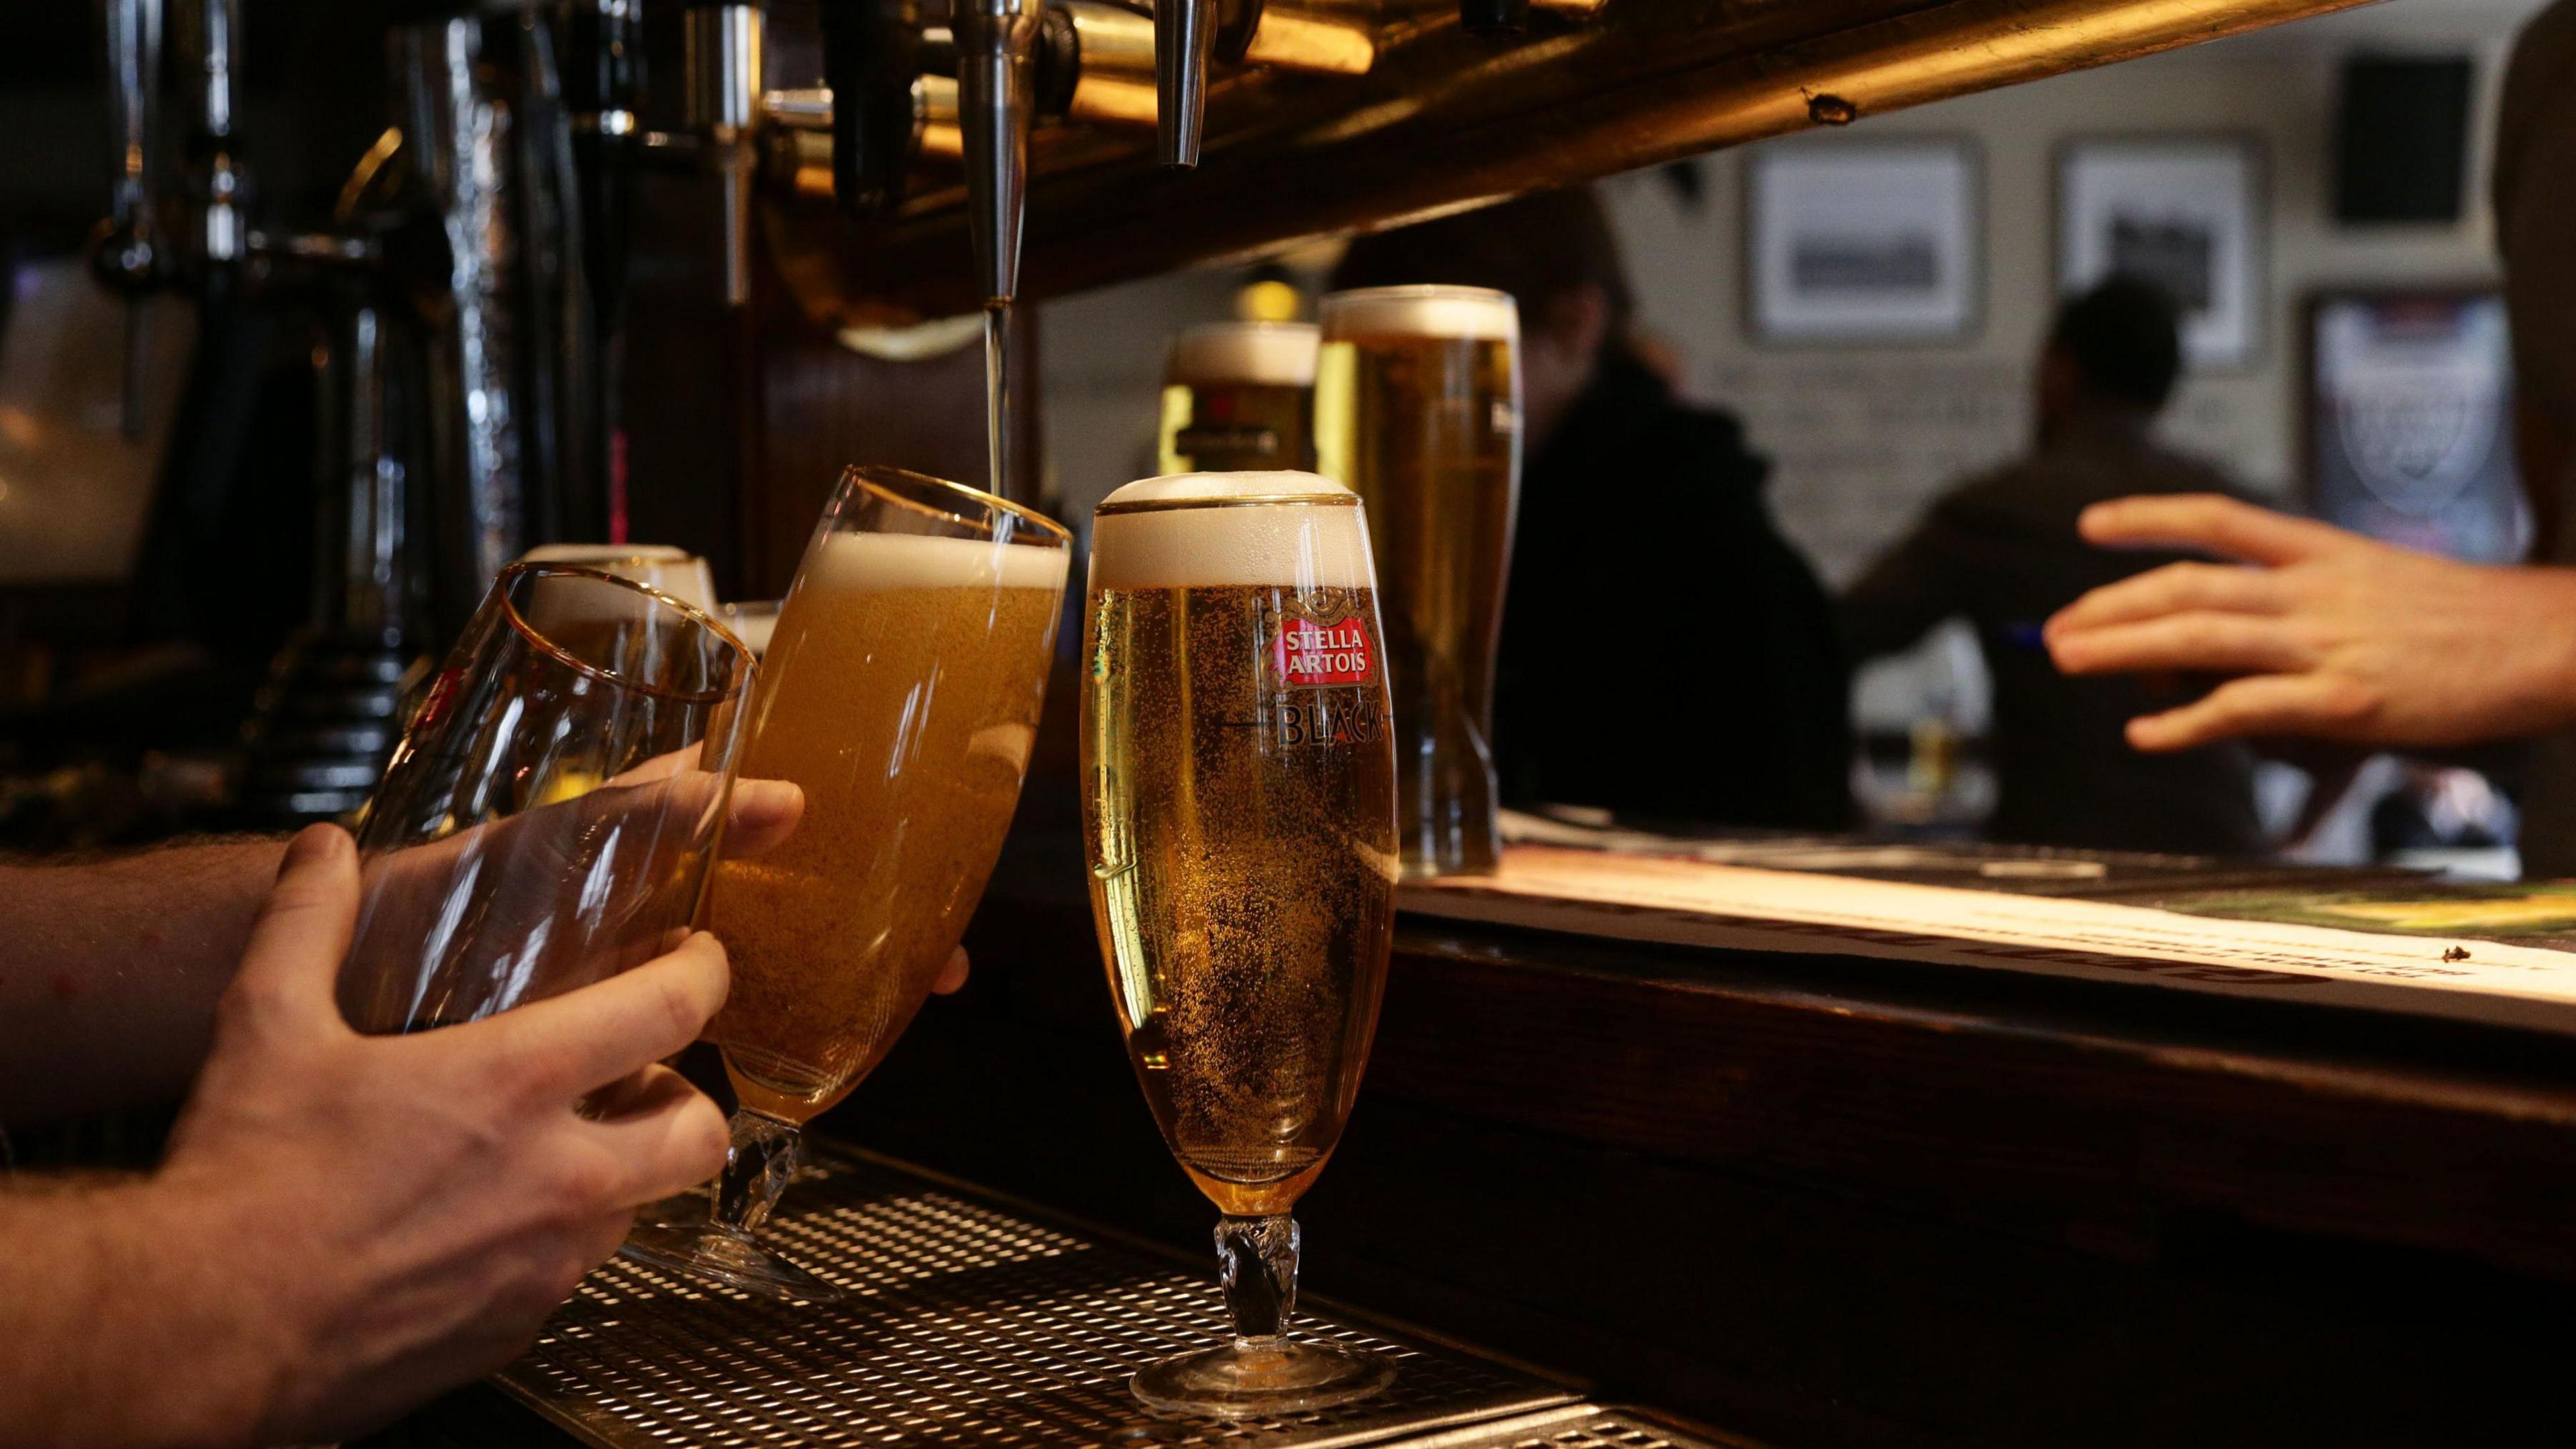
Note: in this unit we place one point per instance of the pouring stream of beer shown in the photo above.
(997, 394)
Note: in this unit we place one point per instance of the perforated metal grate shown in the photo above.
(966, 1324)
(1575, 1426)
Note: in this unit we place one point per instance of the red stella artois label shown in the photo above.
(1308, 653)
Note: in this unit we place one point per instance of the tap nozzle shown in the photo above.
(996, 44)
(1184, 34)
(725, 42)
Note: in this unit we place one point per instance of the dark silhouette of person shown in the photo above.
(1666, 654)
(2003, 552)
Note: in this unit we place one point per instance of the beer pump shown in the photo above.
(456, 320)
(725, 65)
(129, 254)
(323, 719)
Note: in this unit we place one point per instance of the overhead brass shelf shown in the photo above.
(1442, 119)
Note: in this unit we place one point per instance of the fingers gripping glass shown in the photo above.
(901, 691)
(549, 817)
(1239, 811)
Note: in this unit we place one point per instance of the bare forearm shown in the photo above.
(118, 1330)
(109, 972)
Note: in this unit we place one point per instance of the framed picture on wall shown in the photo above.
(2185, 212)
(2410, 420)
(1864, 241)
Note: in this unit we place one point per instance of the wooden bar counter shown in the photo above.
(1843, 1199)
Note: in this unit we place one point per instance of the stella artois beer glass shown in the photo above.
(1239, 818)
(900, 690)
(548, 818)
(1417, 410)
(1240, 395)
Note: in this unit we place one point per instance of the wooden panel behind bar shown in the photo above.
(1840, 1201)
(739, 421)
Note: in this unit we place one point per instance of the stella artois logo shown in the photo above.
(1308, 653)
(1325, 650)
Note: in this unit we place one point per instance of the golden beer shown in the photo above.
(1240, 396)
(1239, 810)
(901, 690)
(1417, 410)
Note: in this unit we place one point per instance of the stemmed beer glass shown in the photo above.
(901, 691)
(548, 818)
(1239, 812)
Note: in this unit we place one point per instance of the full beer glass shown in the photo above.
(1239, 820)
(1240, 395)
(1417, 410)
(900, 691)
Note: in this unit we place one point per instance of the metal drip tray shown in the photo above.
(967, 1323)
(1578, 1426)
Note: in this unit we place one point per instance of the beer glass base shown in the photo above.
(725, 1258)
(1249, 1379)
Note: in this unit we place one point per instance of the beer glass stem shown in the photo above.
(763, 1157)
(1256, 1260)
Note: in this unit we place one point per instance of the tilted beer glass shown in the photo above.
(548, 818)
(1417, 410)
(900, 691)
(1239, 821)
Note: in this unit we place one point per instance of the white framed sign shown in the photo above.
(1864, 241)
(2410, 420)
(2185, 212)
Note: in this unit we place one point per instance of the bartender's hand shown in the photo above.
(2331, 635)
(347, 1224)
(110, 969)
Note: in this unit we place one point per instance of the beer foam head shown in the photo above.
(856, 562)
(1266, 354)
(1217, 530)
(675, 571)
(1469, 314)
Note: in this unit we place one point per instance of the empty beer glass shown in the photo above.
(550, 814)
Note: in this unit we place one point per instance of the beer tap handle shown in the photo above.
(602, 71)
(1058, 70)
(1184, 35)
(872, 49)
(127, 255)
(1237, 21)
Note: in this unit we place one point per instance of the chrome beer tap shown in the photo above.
(725, 65)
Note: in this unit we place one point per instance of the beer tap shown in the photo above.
(996, 44)
(602, 78)
(126, 255)
(1184, 34)
(873, 59)
(219, 184)
(723, 101)
(130, 255)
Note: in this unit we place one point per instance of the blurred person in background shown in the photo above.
(2330, 635)
(2003, 552)
(1666, 654)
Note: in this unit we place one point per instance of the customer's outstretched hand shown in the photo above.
(2327, 634)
